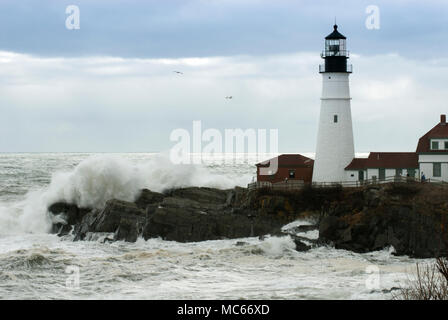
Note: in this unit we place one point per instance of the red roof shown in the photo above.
(357, 163)
(392, 160)
(387, 160)
(439, 131)
(290, 160)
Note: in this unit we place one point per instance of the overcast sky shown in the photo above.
(110, 86)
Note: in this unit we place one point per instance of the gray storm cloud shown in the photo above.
(103, 103)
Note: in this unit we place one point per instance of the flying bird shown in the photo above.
(229, 97)
(178, 72)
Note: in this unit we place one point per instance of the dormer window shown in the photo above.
(438, 144)
(435, 140)
(435, 145)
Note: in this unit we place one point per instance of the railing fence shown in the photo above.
(298, 184)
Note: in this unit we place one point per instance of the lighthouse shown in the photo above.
(335, 148)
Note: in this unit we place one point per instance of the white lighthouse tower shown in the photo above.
(335, 149)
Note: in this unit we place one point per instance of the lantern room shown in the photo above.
(335, 53)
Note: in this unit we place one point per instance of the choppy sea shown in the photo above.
(35, 264)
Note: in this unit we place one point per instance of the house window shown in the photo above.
(411, 172)
(335, 118)
(382, 174)
(437, 169)
(292, 174)
(398, 172)
(446, 144)
(435, 145)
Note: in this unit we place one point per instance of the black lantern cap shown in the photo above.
(335, 34)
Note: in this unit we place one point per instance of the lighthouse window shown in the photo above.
(292, 173)
(335, 118)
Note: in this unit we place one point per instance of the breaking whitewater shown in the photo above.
(37, 265)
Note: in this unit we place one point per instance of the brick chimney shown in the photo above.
(443, 119)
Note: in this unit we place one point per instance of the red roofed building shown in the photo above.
(430, 160)
(381, 165)
(286, 167)
(432, 150)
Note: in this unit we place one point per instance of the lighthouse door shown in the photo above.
(361, 175)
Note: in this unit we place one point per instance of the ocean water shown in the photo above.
(37, 265)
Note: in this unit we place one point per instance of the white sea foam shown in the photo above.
(297, 223)
(277, 246)
(100, 178)
(157, 269)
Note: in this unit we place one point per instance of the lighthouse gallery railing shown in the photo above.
(348, 69)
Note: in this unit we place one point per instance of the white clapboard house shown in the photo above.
(430, 160)
(432, 150)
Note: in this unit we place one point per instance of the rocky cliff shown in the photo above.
(189, 214)
(411, 217)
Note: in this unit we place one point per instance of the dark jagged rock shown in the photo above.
(69, 213)
(85, 225)
(128, 229)
(148, 197)
(185, 225)
(301, 246)
(306, 228)
(410, 217)
(201, 195)
(123, 218)
(184, 220)
(196, 214)
(108, 220)
(329, 227)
